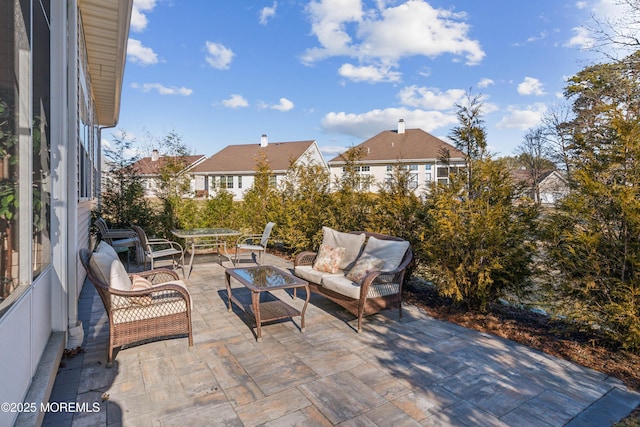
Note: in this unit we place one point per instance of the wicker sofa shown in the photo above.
(379, 289)
(141, 307)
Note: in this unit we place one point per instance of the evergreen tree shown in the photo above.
(123, 203)
(480, 247)
(592, 241)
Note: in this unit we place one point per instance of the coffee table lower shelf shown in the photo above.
(254, 278)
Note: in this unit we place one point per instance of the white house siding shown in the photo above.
(48, 304)
(426, 172)
(208, 182)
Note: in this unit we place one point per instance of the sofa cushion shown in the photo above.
(307, 273)
(364, 265)
(328, 259)
(391, 251)
(344, 286)
(352, 244)
(106, 266)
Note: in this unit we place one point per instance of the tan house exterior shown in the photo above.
(234, 167)
(416, 149)
(149, 168)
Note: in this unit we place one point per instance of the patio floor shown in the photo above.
(398, 372)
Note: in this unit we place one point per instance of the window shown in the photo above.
(41, 163)
(25, 192)
(273, 181)
(239, 181)
(226, 181)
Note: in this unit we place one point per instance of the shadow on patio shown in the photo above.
(410, 371)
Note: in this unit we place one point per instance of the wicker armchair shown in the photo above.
(139, 316)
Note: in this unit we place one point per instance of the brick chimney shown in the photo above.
(263, 140)
(400, 126)
(154, 156)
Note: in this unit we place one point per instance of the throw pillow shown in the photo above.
(365, 265)
(352, 244)
(139, 283)
(328, 259)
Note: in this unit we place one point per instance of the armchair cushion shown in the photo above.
(352, 243)
(364, 265)
(329, 259)
(106, 265)
(391, 251)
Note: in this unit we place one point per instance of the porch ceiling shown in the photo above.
(106, 30)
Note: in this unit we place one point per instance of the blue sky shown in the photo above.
(219, 73)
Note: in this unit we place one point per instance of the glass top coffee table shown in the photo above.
(265, 278)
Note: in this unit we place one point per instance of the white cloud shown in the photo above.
(531, 86)
(267, 12)
(581, 39)
(523, 119)
(283, 105)
(161, 89)
(368, 124)
(368, 73)
(218, 56)
(138, 18)
(485, 82)
(430, 98)
(387, 34)
(235, 101)
(331, 151)
(139, 54)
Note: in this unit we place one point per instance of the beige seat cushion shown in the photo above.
(344, 286)
(352, 244)
(307, 273)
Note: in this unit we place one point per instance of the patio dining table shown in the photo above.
(205, 238)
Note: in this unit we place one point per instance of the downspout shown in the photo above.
(75, 332)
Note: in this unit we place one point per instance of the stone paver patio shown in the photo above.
(399, 372)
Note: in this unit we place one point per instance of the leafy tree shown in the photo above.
(480, 246)
(592, 240)
(262, 201)
(352, 202)
(470, 136)
(307, 204)
(398, 210)
(123, 202)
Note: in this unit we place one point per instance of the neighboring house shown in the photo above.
(414, 149)
(234, 167)
(149, 169)
(60, 85)
(547, 190)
